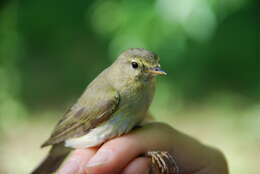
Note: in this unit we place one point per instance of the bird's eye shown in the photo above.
(134, 65)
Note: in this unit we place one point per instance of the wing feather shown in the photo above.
(86, 114)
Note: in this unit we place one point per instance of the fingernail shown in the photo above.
(100, 158)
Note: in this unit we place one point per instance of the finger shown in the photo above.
(114, 155)
(76, 161)
(189, 154)
(140, 165)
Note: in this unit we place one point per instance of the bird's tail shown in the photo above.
(53, 160)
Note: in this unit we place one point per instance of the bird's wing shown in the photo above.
(85, 115)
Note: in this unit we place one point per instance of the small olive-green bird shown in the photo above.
(112, 104)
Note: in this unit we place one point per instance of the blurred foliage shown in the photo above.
(10, 79)
(58, 47)
(50, 50)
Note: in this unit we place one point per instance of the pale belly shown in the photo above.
(119, 124)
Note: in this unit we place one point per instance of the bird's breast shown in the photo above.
(137, 98)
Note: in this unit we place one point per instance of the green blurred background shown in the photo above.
(50, 50)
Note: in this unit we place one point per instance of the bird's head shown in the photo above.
(139, 64)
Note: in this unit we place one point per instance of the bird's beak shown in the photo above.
(157, 71)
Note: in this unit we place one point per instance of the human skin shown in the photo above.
(123, 155)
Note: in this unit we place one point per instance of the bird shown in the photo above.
(114, 103)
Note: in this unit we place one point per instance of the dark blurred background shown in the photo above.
(50, 50)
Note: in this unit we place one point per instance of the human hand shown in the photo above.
(122, 155)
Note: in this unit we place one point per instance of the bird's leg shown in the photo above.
(163, 162)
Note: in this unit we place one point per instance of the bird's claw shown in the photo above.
(163, 161)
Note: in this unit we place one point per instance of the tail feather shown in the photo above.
(53, 160)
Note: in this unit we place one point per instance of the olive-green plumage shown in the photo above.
(112, 104)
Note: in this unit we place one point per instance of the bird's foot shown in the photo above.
(163, 162)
